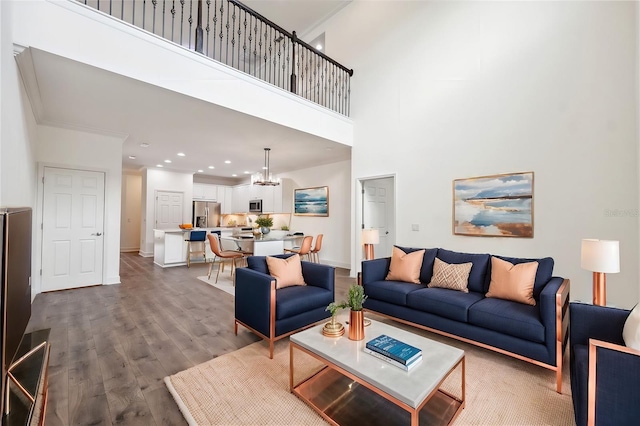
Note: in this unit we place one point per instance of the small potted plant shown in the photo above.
(265, 223)
(355, 299)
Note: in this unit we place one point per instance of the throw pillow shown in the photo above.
(287, 272)
(631, 330)
(405, 266)
(454, 276)
(512, 282)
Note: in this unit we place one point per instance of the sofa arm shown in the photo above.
(253, 299)
(375, 270)
(596, 322)
(614, 374)
(318, 275)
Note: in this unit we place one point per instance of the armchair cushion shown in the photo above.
(295, 300)
(259, 263)
(631, 329)
(287, 272)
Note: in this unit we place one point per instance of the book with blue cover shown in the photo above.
(405, 367)
(394, 349)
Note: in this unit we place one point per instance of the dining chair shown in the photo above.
(222, 255)
(315, 256)
(304, 249)
(197, 237)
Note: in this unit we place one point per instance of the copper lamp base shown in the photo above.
(368, 251)
(599, 289)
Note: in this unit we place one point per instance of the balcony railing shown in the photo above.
(230, 32)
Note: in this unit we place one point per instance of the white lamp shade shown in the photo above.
(600, 256)
(370, 236)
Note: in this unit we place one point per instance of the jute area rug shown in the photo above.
(245, 387)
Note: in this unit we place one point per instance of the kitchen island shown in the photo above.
(267, 245)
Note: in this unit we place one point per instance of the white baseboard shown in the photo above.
(113, 280)
(129, 250)
(145, 254)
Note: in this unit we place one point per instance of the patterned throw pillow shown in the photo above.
(452, 276)
(405, 266)
(287, 272)
(512, 282)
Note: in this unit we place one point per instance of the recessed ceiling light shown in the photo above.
(132, 157)
(167, 161)
(227, 161)
(159, 165)
(200, 171)
(234, 175)
(246, 172)
(264, 167)
(181, 154)
(319, 46)
(211, 167)
(144, 145)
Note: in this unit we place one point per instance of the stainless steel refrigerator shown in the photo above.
(206, 214)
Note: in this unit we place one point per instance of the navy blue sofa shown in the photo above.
(276, 313)
(536, 334)
(596, 331)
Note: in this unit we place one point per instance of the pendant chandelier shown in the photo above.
(265, 178)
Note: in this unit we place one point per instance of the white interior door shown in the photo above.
(72, 228)
(378, 212)
(169, 209)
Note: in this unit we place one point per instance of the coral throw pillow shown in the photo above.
(287, 272)
(631, 329)
(405, 266)
(512, 282)
(454, 276)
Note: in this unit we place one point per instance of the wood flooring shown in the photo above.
(112, 345)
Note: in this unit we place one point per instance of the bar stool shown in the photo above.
(222, 255)
(196, 237)
(315, 256)
(304, 249)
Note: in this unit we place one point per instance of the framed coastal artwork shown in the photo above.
(311, 201)
(494, 206)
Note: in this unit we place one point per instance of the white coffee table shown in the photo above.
(355, 387)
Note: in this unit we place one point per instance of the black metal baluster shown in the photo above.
(164, 7)
(280, 59)
(255, 48)
(144, 13)
(226, 53)
(153, 26)
(260, 47)
(173, 18)
(133, 19)
(110, 6)
(208, 26)
(215, 21)
(239, 34)
(340, 90)
(190, 24)
(244, 45)
(334, 89)
(122, 11)
(324, 83)
(221, 35)
(349, 94)
(233, 34)
(270, 29)
(181, 20)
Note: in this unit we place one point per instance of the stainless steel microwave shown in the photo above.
(255, 206)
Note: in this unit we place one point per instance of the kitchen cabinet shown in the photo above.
(225, 196)
(205, 191)
(275, 199)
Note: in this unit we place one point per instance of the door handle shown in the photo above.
(387, 233)
(97, 234)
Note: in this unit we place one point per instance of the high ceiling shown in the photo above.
(79, 96)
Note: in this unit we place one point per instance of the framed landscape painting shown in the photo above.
(311, 201)
(494, 206)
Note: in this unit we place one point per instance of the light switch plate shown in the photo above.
(415, 227)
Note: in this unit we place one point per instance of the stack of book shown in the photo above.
(394, 352)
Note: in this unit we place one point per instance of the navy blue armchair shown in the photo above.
(276, 313)
(605, 374)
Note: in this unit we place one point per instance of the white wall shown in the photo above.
(159, 180)
(131, 212)
(336, 227)
(88, 151)
(446, 90)
(55, 26)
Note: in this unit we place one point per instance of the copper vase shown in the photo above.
(356, 325)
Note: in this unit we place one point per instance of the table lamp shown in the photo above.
(369, 238)
(600, 257)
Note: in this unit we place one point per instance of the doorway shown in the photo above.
(378, 211)
(72, 228)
